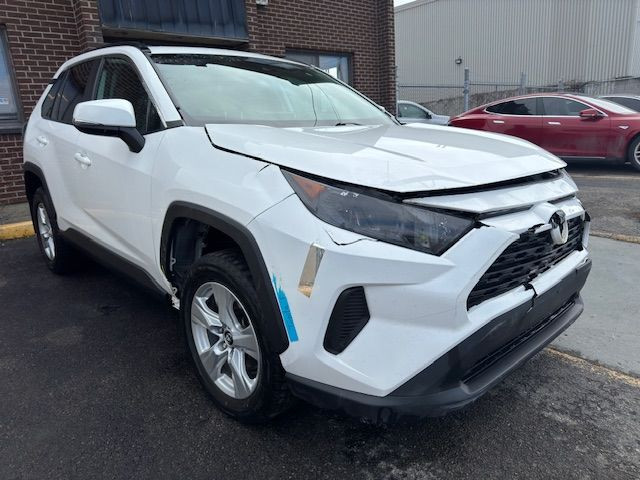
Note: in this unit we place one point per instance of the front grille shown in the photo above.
(525, 259)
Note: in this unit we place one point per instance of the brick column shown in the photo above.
(88, 23)
(387, 48)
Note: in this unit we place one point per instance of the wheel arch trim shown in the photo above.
(274, 332)
(32, 168)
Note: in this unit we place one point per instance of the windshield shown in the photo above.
(236, 89)
(611, 106)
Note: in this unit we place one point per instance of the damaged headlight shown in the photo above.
(381, 217)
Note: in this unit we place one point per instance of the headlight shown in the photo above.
(380, 216)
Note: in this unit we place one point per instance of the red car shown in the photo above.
(569, 126)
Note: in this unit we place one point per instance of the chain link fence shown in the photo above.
(455, 99)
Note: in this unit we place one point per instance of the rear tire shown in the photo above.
(633, 154)
(59, 256)
(223, 325)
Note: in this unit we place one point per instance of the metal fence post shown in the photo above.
(466, 89)
(523, 83)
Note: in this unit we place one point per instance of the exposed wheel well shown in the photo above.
(189, 240)
(190, 231)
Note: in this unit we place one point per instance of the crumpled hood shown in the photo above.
(397, 158)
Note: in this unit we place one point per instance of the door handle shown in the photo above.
(42, 140)
(554, 123)
(82, 160)
(499, 122)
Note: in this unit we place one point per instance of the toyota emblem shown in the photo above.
(559, 228)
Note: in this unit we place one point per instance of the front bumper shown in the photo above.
(470, 369)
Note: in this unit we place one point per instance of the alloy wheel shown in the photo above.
(45, 230)
(225, 340)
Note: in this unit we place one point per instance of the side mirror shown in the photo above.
(590, 114)
(112, 117)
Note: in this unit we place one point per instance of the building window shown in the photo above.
(335, 64)
(10, 112)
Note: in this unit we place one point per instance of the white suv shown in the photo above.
(315, 247)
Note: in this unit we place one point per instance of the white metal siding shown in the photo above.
(549, 40)
(634, 54)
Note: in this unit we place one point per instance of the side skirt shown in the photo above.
(113, 261)
(594, 159)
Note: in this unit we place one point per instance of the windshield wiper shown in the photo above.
(346, 124)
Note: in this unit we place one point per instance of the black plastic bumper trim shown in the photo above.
(450, 382)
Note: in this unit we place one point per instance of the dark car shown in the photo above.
(569, 126)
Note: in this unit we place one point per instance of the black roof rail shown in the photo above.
(139, 45)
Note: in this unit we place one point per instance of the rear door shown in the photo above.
(566, 134)
(519, 118)
(57, 139)
(116, 189)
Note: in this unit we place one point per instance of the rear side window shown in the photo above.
(47, 104)
(562, 107)
(526, 106)
(75, 89)
(118, 79)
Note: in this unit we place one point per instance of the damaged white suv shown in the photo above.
(315, 247)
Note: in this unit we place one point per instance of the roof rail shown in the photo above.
(139, 45)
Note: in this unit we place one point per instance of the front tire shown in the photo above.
(59, 256)
(633, 154)
(223, 325)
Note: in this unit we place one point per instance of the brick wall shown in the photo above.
(364, 29)
(42, 34)
(11, 181)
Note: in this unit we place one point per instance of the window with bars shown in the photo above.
(10, 111)
(338, 65)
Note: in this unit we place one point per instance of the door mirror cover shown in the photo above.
(112, 117)
(590, 114)
(112, 112)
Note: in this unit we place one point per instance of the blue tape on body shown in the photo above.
(286, 312)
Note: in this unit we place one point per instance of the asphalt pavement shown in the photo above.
(95, 383)
(611, 195)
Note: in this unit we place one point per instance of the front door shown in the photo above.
(566, 134)
(116, 192)
(408, 113)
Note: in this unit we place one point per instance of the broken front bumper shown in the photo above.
(469, 370)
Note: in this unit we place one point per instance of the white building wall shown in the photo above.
(572, 40)
(634, 54)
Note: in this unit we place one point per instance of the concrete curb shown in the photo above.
(12, 231)
(616, 236)
(627, 378)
